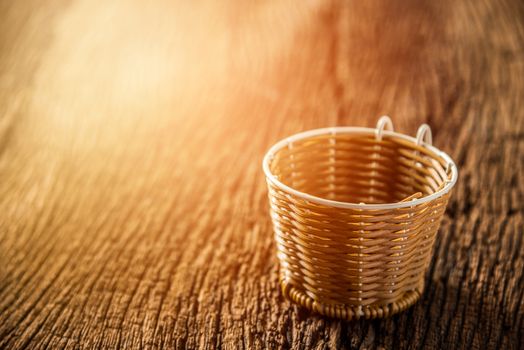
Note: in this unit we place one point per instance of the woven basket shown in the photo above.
(355, 213)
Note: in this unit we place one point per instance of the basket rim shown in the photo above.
(348, 205)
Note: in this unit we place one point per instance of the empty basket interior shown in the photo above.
(358, 168)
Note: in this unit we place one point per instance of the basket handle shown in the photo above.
(382, 123)
(424, 135)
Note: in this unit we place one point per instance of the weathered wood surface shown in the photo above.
(133, 209)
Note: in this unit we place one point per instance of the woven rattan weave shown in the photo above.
(355, 213)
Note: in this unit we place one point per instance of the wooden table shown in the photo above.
(133, 208)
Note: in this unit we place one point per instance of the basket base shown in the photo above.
(349, 313)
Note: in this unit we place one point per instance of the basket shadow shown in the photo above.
(446, 316)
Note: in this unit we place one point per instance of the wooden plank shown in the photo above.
(133, 210)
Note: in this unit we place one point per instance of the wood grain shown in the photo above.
(133, 208)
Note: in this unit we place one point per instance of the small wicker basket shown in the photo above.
(355, 213)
